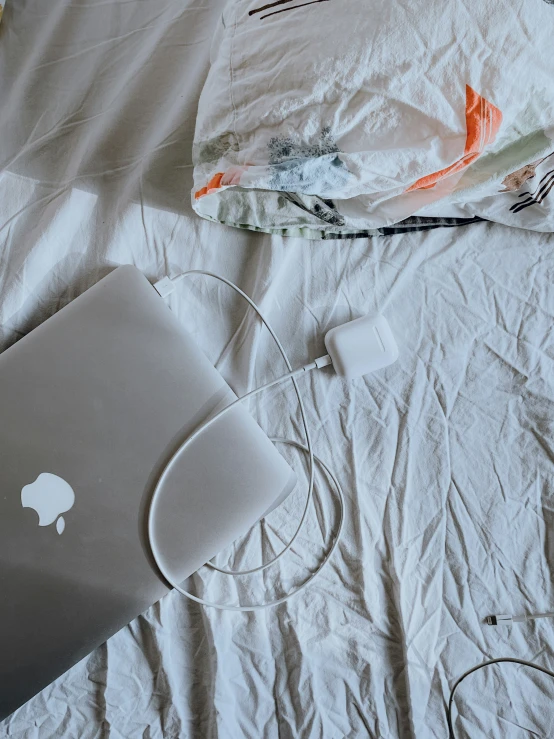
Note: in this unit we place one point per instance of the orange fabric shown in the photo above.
(213, 184)
(483, 121)
(223, 179)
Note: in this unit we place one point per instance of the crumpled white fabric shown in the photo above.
(319, 119)
(446, 457)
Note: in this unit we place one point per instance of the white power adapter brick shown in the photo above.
(361, 346)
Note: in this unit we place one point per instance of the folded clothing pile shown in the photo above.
(330, 118)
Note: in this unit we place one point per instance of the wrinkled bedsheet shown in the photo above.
(446, 457)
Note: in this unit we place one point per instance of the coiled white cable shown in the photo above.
(292, 375)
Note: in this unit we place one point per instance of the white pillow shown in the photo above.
(337, 117)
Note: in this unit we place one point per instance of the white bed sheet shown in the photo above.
(446, 457)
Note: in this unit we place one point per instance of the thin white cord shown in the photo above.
(503, 618)
(479, 667)
(278, 601)
(532, 617)
(292, 376)
(167, 287)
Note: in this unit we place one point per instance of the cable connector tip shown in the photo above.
(324, 361)
(499, 619)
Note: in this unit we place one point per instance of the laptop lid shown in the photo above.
(94, 401)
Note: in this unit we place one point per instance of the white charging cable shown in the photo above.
(351, 354)
(500, 660)
(502, 619)
(164, 288)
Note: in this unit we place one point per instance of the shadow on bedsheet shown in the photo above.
(396, 652)
(104, 98)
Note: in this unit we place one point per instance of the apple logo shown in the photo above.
(50, 496)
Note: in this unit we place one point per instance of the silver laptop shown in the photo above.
(93, 402)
